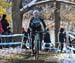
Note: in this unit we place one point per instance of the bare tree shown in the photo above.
(16, 16)
(57, 20)
(17, 13)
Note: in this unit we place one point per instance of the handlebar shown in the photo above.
(41, 31)
(45, 30)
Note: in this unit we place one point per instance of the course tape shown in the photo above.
(11, 43)
(12, 35)
(71, 48)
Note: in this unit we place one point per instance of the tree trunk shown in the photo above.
(57, 21)
(16, 16)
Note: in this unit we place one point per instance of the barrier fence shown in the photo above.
(71, 46)
(7, 39)
(22, 36)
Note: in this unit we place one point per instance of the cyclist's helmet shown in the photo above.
(36, 13)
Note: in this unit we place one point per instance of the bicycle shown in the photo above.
(37, 43)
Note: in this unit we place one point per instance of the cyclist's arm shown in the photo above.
(43, 23)
(30, 24)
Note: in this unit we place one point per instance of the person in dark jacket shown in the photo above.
(47, 40)
(25, 38)
(5, 23)
(35, 25)
(47, 37)
(62, 38)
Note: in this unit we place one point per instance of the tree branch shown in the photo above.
(67, 2)
(28, 7)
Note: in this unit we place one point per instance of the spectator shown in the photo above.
(1, 28)
(5, 23)
(47, 40)
(62, 38)
(25, 37)
(35, 25)
(47, 37)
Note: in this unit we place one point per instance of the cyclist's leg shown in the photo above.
(33, 43)
(41, 36)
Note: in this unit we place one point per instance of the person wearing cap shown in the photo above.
(35, 25)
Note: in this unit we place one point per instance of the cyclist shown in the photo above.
(35, 25)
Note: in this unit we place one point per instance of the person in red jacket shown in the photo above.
(1, 28)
